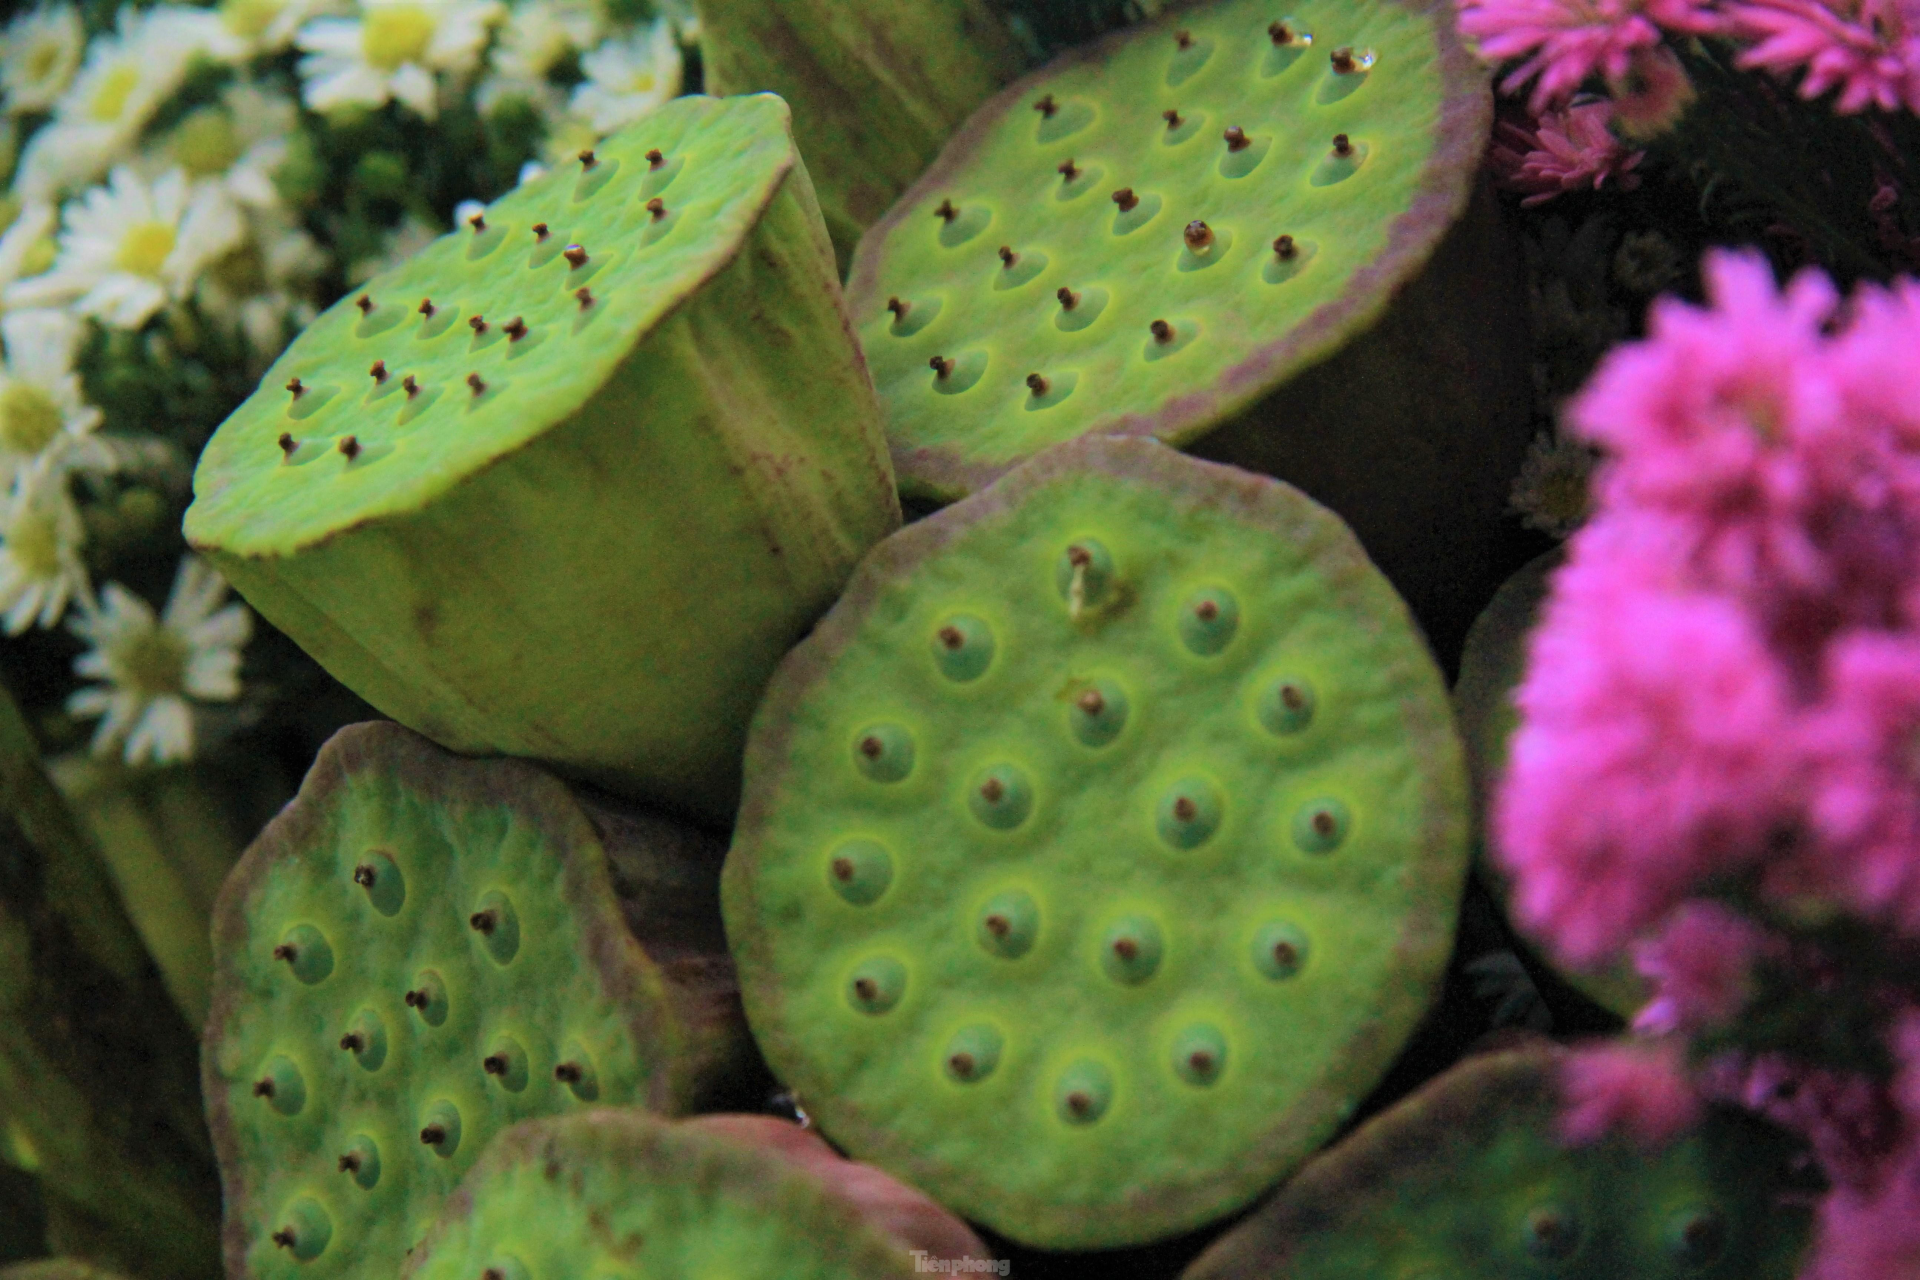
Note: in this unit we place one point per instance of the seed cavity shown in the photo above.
(282, 1086)
(305, 950)
(428, 998)
(1321, 826)
(1083, 575)
(1130, 950)
(1083, 1092)
(497, 924)
(884, 752)
(860, 871)
(1287, 706)
(1552, 1232)
(963, 647)
(877, 985)
(1008, 924)
(1008, 257)
(1279, 950)
(1162, 332)
(973, 1052)
(1000, 797)
(1209, 621)
(1068, 170)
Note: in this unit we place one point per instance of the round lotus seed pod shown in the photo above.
(1469, 1178)
(498, 952)
(616, 429)
(1491, 667)
(1094, 863)
(721, 1195)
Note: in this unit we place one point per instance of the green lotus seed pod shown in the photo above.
(604, 1192)
(1093, 867)
(568, 482)
(876, 86)
(1492, 665)
(1469, 1179)
(499, 950)
(1246, 231)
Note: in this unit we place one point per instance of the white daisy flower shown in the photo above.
(27, 246)
(41, 52)
(126, 77)
(567, 136)
(44, 419)
(41, 532)
(628, 78)
(128, 248)
(265, 287)
(392, 52)
(540, 33)
(255, 27)
(239, 142)
(410, 237)
(153, 666)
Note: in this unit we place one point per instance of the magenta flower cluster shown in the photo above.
(1722, 706)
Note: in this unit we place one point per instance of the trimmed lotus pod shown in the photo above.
(876, 86)
(1170, 233)
(1100, 848)
(1492, 665)
(728, 1195)
(1468, 1178)
(568, 482)
(422, 950)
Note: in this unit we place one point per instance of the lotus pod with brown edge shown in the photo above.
(567, 482)
(423, 949)
(1253, 231)
(1470, 1179)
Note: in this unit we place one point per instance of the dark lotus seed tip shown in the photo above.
(1185, 809)
(1206, 611)
(433, 1135)
(1079, 1103)
(1201, 1061)
(427, 308)
(364, 303)
(379, 371)
(1068, 169)
(941, 366)
(866, 988)
(284, 1238)
(898, 307)
(1068, 298)
(871, 747)
(1046, 106)
(961, 1064)
(1161, 330)
(286, 951)
(992, 790)
(287, 443)
(1323, 823)
(363, 875)
(997, 925)
(1078, 556)
(1125, 198)
(1036, 384)
(585, 297)
(412, 386)
(1284, 247)
(263, 1088)
(516, 329)
(1184, 39)
(1091, 702)
(587, 160)
(1126, 948)
(1007, 256)
(1172, 116)
(296, 387)
(946, 212)
(1237, 139)
(484, 922)
(576, 255)
(540, 232)
(350, 1163)
(1342, 145)
(1285, 954)
(494, 1064)
(567, 1073)
(493, 1273)
(1292, 698)
(843, 868)
(478, 222)
(951, 637)
(477, 323)
(655, 159)
(416, 999)
(1198, 235)
(478, 384)
(1342, 60)
(657, 207)
(350, 445)
(1279, 33)
(353, 1042)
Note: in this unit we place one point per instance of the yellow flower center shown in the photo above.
(43, 59)
(241, 273)
(394, 36)
(33, 540)
(110, 99)
(250, 18)
(153, 663)
(39, 257)
(29, 419)
(206, 143)
(144, 248)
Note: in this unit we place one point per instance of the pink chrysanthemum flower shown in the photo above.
(1566, 41)
(1649, 754)
(1701, 969)
(1637, 1088)
(1868, 49)
(1848, 1120)
(1871, 1234)
(1566, 150)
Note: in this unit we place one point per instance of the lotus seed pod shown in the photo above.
(568, 482)
(422, 950)
(876, 86)
(724, 1195)
(1468, 1178)
(1492, 664)
(1251, 236)
(1139, 948)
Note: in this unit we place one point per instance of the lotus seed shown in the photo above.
(1046, 106)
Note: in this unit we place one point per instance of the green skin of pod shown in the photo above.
(1076, 1117)
(1468, 1180)
(99, 1097)
(1492, 664)
(600, 976)
(723, 1195)
(595, 552)
(1381, 366)
(876, 86)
